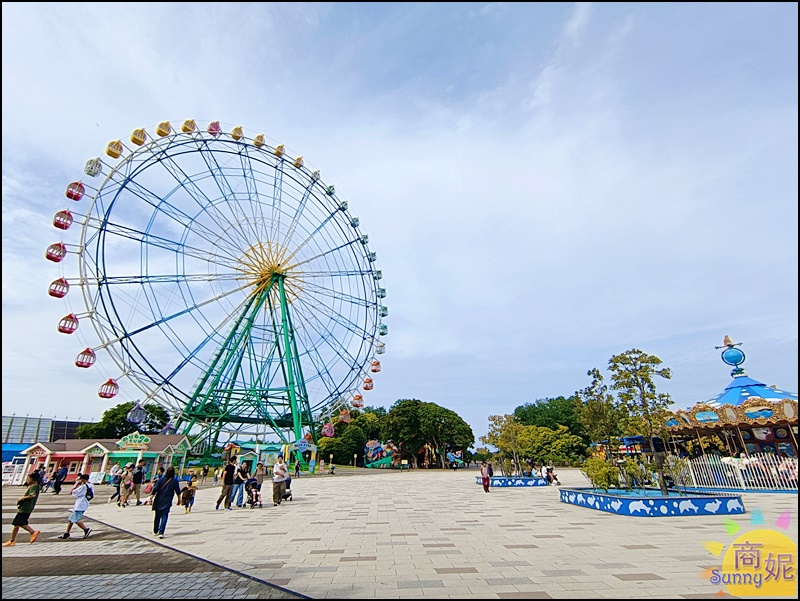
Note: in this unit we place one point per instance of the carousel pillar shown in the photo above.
(744, 446)
(700, 440)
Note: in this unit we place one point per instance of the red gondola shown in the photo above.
(56, 252)
(109, 389)
(62, 220)
(68, 324)
(86, 358)
(58, 288)
(214, 128)
(75, 191)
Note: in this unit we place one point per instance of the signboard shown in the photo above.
(134, 441)
(302, 445)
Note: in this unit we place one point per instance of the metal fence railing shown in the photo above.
(759, 471)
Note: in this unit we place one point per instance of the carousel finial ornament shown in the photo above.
(732, 355)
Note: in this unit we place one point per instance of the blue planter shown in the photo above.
(512, 481)
(652, 503)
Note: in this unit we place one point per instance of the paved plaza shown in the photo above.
(379, 534)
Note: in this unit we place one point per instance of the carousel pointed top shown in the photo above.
(743, 387)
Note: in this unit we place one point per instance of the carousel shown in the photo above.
(749, 416)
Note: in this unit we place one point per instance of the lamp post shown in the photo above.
(355, 456)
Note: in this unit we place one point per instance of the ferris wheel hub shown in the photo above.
(265, 262)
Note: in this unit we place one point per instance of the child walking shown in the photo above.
(187, 495)
(83, 493)
(25, 507)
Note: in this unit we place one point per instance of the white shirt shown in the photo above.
(81, 502)
(544, 471)
(279, 472)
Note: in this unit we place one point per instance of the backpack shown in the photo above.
(491, 471)
(89, 493)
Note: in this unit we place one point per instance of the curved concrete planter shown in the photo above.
(654, 506)
(512, 481)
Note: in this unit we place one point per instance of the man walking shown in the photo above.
(138, 478)
(25, 505)
(280, 472)
(228, 475)
(61, 475)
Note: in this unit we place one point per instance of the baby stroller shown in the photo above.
(253, 493)
(287, 495)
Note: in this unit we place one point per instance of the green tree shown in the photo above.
(599, 412)
(378, 411)
(558, 446)
(632, 376)
(412, 423)
(505, 434)
(444, 429)
(551, 413)
(114, 425)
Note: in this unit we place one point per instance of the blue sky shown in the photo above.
(546, 185)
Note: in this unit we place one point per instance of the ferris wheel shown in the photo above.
(227, 282)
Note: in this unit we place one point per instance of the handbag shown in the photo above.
(149, 488)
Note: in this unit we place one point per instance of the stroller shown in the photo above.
(253, 493)
(287, 495)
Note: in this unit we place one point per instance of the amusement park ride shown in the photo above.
(228, 283)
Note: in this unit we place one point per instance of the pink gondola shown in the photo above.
(56, 252)
(58, 288)
(214, 128)
(75, 191)
(327, 430)
(86, 358)
(68, 324)
(62, 220)
(109, 389)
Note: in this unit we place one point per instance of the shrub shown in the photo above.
(600, 473)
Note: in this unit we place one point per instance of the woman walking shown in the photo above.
(485, 475)
(161, 499)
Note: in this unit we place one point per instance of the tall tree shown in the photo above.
(444, 429)
(505, 433)
(598, 411)
(632, 376)
(114, 424)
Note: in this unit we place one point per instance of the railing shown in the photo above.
(759, 471)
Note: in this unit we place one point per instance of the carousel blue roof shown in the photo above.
(744, 387)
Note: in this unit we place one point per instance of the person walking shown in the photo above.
(138, 479)
(242, 476)
(161, 499)
(297, 469)
(259, 475)
(280, 471)
(116, 482)
(228, 476)
(83, 492)
(61, 475)
(204, 474)
(126, 485)
(485, 476)
(187, 494)
(25, 505)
